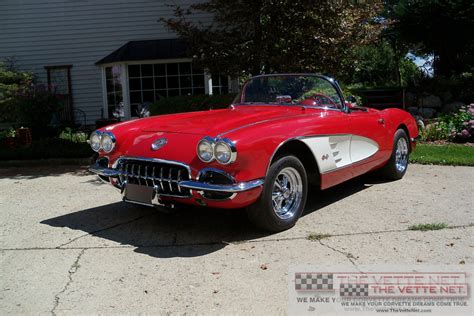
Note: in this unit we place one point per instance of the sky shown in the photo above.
(425, 63)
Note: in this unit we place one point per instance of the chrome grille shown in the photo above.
(163, 176)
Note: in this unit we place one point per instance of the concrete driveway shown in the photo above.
(68, 245)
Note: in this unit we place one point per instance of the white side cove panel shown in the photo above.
(362, 148)
(336, 151)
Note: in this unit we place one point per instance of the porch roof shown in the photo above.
(147, 50)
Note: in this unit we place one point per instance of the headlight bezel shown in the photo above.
(212, 144)
(91, 143)
(210, 141)
(112, 140)
(230, 146)
(101, 136)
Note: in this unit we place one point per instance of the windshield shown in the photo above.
(304, 90)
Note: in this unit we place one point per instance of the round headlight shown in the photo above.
(225, 151)
(205, 149)
(107, 142)
(222, 152)
(94, 141)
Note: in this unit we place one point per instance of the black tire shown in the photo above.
(390, 170)
(262, 213)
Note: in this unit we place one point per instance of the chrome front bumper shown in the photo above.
(104, 171)
(189, 184)
(228, 188)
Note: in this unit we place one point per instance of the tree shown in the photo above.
(379, 65)
(440, 27)
(249, 37)
(11, 82)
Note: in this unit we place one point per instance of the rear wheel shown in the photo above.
(283, 198)
(397, 166)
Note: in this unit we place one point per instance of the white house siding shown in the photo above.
(79, 33)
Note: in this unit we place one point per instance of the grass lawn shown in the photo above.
(446, 154)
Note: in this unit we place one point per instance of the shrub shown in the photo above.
(36, 108)
(191, 103)
(11, 82)
(47, 148)
(457, 127)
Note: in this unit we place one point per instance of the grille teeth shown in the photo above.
(164, 177)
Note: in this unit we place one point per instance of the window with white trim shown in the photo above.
(113, 77)
(220, 84)
(151, 82)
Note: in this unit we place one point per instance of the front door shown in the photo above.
(369, 141)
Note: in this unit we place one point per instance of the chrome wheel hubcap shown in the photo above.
(401, 155)
(287, 193)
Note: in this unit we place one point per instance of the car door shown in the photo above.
(369, 139)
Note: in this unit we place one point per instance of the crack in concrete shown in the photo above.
(72, 270)
(209, 243)
(348, 255)
(104, 229)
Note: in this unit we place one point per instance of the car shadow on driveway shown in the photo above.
(186, 232)
(35, 172)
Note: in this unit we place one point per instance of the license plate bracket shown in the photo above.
(139, 193)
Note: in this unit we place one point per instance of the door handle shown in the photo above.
(381, 121)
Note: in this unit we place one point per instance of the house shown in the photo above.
(105, 56)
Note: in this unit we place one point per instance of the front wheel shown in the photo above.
(397, 165)
(283, 198)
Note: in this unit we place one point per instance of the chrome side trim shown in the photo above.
(230, 188)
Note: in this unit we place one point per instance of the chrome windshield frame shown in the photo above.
(332, 81)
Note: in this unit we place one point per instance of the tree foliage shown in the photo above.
(440, 27)
(379, 65)
(260, 36)
(11, 82)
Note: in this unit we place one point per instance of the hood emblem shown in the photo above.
(157, 144)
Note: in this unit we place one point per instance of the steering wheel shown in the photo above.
(316, 99)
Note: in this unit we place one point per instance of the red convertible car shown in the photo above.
(281, 133)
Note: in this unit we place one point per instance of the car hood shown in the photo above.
(216, 122)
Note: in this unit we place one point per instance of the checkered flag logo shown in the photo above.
(313, 281)
(351, 290)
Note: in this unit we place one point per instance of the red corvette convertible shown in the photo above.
(281, 133)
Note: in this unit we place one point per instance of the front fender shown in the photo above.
(396, 118)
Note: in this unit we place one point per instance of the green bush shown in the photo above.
(191, 103)
(35, 108)
(11, 82)
(457, 127)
